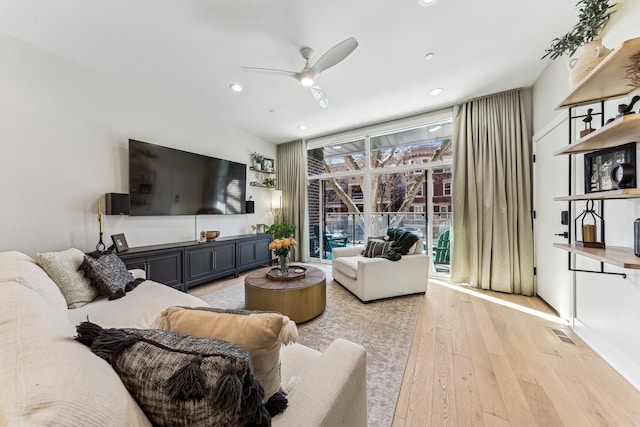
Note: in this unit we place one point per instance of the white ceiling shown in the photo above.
(190, 51)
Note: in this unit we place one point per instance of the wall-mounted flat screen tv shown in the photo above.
(166, 181)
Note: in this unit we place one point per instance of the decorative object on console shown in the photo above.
(588, 223)
(100, 246)
(260, 229)
(180, 380)
(212, 235)
(584, 36)
(599, 165)
(119, 242)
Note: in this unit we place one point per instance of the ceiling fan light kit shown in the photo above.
(308, 75)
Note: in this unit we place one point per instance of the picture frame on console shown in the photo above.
(598, 166)
(120, 242)
(260, 228)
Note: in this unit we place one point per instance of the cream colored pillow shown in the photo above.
(260, 333)
(62, 267)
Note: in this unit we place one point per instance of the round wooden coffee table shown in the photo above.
(300, 299)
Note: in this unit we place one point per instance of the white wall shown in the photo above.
(64, 134)
(607, 307)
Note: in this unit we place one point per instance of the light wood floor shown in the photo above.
(476, 362)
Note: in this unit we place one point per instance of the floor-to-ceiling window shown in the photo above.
(392, 175)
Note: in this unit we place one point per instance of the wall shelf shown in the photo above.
(622, 130)
(257, 184)
(271, 172)
(626, 193)
(607, 80)
(614, 255)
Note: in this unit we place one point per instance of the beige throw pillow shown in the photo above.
(260, 333)
(62, 267)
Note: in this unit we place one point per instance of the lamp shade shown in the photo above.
(276, 199)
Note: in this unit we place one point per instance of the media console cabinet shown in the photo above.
(184, 265)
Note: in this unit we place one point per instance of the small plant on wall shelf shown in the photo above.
(257, 159)
(269, 182)
(593, 16)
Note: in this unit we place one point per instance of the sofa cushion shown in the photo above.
(138, 310)
(376, 248)
(20, 268)
(347, 265)
(260, 333)
(109, 274)
(181, 380)
(63, 267)
(50, 379)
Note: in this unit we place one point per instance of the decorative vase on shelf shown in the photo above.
(587, 58)
(283, 265)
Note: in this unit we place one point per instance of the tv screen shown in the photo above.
(166, 181)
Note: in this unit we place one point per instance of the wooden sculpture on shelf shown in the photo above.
(587, 124)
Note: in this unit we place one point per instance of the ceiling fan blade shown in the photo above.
(318, 95)
(271, 71)
(335, 55)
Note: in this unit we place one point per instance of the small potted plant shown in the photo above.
(257, 160)
(585, 37)
(269, 182)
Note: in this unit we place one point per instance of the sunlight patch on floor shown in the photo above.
(527, 310)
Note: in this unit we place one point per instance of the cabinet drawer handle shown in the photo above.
(213, 259)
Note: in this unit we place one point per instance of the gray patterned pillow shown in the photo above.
(109, 274)
(62, 267)
(376, 248)
(181, 380)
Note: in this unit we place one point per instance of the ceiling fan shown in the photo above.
(309, 74)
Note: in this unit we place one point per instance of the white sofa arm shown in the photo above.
(347, 251)
(376, 275)
(326, 389)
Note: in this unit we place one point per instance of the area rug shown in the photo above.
(385, 328)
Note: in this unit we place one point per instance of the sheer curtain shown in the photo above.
(492, 221)
(292, 180)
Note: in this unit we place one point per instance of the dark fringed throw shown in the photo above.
(238, 392)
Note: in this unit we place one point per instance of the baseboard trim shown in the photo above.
(628, 368)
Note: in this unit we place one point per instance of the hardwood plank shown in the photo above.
(443, 411)
(519, 412)
(493, 421)
(468, 407)
(458, 328)
(541, 405)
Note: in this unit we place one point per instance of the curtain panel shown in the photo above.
(292, 180)
(492, 187)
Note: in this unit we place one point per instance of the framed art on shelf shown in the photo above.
(119, 242)
(267, 165)
(598, 166)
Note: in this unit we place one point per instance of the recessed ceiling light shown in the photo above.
(337, 147)
(435, 128)
(426, 3)
(429, 56)
(302, 127)
(235, 87)
(436, 91)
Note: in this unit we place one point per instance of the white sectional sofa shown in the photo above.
(376, 278)
(48, 378)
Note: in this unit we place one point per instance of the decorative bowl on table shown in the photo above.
(212, 235)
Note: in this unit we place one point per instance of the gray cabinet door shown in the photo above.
(253, 252)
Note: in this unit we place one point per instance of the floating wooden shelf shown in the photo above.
(621, 131)
(607, 80)
(257, 184)
(626, 193)
(614, 255)
(271, 172)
